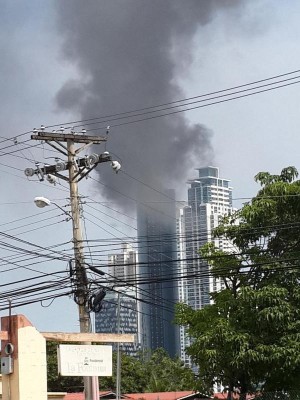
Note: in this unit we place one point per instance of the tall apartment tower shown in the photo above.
(158, 270)
(120, 306)
(209, 199)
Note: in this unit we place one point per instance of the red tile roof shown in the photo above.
(139, 396)
(160, 395)
(74, 396)
(156, 396)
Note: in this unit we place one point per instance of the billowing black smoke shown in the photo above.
(128, 53)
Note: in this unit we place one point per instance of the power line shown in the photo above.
(151, 108)
(180, 100)
(194, 107)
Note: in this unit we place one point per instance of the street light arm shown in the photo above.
(42, 202)
(64, 211)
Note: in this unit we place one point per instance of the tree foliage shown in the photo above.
(249, 337)
(165, 374)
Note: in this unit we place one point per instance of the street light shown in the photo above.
(42, 202)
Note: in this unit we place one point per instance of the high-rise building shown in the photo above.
(158, 270)
(209, 199)
(120, 306)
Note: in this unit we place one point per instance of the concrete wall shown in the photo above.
(50, 396)
(29, 378)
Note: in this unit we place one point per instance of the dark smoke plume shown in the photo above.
(128, 53)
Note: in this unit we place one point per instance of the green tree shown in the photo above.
(249, 336)
(166, 374)
(133, 377)
(151, 372)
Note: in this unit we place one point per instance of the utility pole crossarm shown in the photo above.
(64, 137)
(80, 167)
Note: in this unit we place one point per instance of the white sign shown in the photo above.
(84, 360)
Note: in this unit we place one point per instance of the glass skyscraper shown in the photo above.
(158, 270)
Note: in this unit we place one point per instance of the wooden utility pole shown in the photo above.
(84, 318)
(77, 169)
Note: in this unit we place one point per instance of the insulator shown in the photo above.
(93, 158)
(116, 166)
(29, 172)
(105, 157)
(51, 179)
(60, 166)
